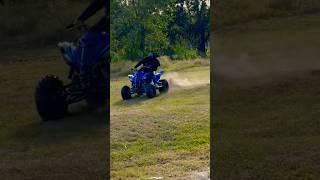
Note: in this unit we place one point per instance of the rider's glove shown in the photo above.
(76, 24)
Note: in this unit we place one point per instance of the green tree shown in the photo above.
(141, 26)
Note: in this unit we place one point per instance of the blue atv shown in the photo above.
(52, 96)
(143, 82)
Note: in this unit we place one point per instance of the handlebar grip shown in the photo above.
(70, 26)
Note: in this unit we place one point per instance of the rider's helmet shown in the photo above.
(153, 54)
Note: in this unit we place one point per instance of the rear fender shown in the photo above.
(158, 75)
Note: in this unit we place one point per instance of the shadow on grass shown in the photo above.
(79, 124)
(136, 100)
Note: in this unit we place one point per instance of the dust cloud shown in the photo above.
(176, 81)
(273, 65)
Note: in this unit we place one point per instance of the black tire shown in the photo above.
(151, 91)
(164, 86)
(50, 99)
(126, 93)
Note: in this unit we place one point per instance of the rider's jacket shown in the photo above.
(150, 63)
(103, 25)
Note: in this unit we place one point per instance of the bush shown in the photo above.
(180, 53)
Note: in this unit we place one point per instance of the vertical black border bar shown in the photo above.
(108, 176)
(211, 88)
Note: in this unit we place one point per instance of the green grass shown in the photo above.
(72, 148)
(167, 136)
(266, 103)
(269, 131)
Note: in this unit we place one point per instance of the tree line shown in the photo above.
(176, 28)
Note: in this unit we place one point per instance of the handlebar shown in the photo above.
(146, 67)
(70, 26)
(80, 27)
(134, 70)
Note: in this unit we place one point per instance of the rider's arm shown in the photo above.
(95, 6)
(156, 64)
(140, 62)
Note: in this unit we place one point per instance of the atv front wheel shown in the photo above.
(50, 99)
(151, 91)
(164, 86)
(126, 93)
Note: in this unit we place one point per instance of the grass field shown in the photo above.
(266, 100)
(167, 136)
(231, 12)
(72, 148)
(176, 137)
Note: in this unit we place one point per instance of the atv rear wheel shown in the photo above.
(151, 91)
(126, 93)
(50, 99)
(164, 86)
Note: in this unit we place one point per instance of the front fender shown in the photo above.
(130, 76)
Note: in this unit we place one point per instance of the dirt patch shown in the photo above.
(267, 50)
(203, 175)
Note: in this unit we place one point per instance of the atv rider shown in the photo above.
(94, 40)
(150, 65)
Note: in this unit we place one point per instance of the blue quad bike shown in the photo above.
(53, 97)
(143, 82)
